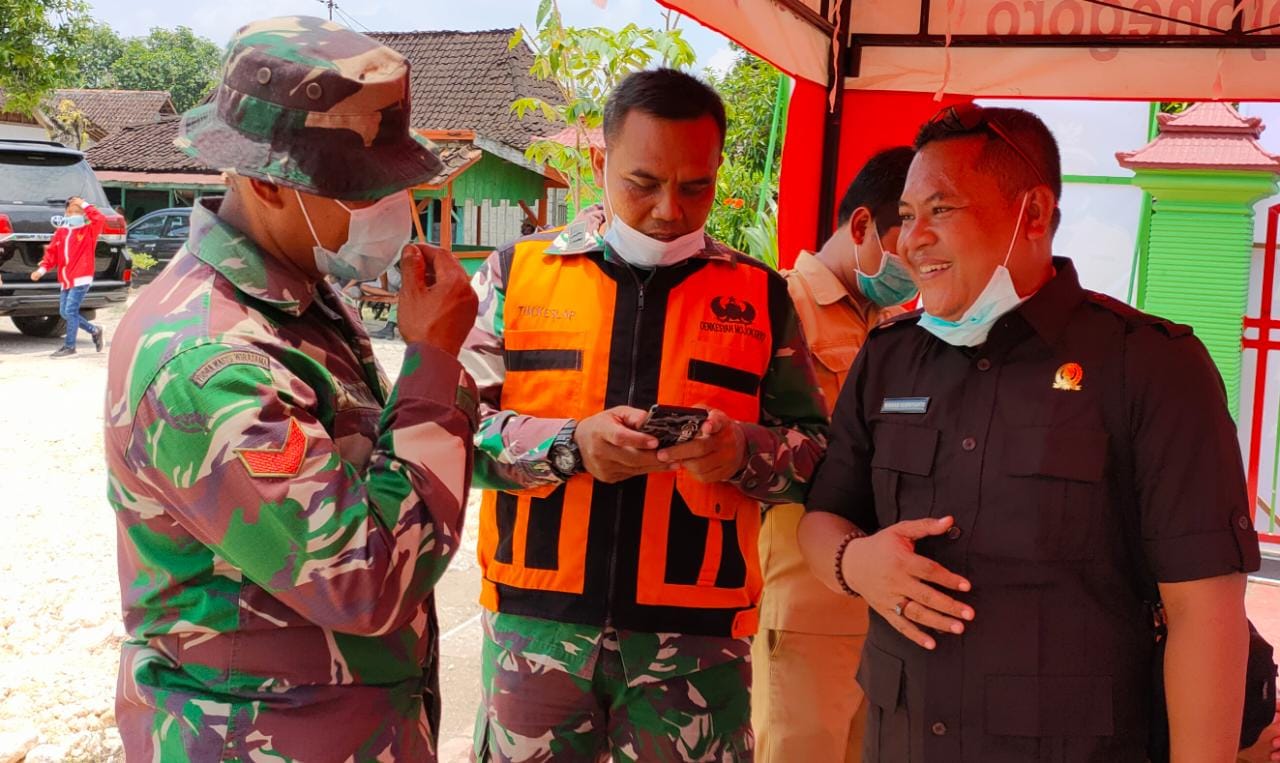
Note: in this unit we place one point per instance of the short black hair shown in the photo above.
(1014, 174)
(666, 94)
(878, 187)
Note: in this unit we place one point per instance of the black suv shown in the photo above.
(36, 179)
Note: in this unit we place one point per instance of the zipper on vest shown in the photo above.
(631, 394)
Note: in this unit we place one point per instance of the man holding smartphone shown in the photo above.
(621, 577)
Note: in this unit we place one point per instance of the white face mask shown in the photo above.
(642, 250)
(997, 298)
(375, 236)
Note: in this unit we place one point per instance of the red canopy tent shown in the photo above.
(900, 60)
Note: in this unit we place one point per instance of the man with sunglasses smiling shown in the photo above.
(1008, 466)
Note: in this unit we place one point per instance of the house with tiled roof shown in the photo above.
(101, 113)
(462, 85)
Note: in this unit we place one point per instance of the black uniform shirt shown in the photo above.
(1080, 425)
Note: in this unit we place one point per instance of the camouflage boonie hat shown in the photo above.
(312, 105)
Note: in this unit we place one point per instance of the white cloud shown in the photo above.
(722, 60)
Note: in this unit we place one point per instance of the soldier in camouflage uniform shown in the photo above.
(622, 580)
(283, 513)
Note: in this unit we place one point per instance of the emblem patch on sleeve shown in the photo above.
(285, 461)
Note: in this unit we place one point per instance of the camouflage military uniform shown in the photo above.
(568, 691)
(283, 514)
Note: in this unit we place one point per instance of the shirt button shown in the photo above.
(1243, 522)
(939, 729)
(969, 443)
(984, 364)
(954, 533)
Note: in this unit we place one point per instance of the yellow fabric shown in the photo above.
(806, 704)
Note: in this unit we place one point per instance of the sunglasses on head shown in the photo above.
(968, 118)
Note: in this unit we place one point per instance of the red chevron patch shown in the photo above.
(285, 461)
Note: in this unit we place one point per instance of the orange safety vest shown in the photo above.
(663, 553)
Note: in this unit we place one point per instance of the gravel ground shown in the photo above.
(60, 627)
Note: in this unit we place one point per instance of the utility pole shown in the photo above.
(331, 3)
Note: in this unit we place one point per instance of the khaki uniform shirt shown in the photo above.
(835, 324)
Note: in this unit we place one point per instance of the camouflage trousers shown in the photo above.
(533, 711)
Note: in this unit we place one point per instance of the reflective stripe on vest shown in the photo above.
(717, 345)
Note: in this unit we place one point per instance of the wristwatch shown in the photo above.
(565, 458)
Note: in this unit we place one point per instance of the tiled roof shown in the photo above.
(149, 148)
(569, 137)
(113, 109)
(467, 81)
(1211, 116)
(1205, 136)
(144, 148)
(456, 156)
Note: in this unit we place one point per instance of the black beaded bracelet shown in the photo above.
(844, 544)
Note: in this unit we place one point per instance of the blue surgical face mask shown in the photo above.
(892, 285)
(73, 221)
(998, 298)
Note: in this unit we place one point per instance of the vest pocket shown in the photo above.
(537, 542)
(698, 545)
(726, 377)
(544, 371)
(702, 538)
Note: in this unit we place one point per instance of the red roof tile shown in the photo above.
(1205, 136)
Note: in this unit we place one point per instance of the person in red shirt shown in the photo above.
(71, 253)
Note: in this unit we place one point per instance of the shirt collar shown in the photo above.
(585, 235)
(826, 287)
(1049, 310)
(255, 273)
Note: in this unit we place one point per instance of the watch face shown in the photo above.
(563, 459)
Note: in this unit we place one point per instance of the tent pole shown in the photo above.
(831, 127)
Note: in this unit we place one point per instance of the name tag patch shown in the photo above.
(904, 405)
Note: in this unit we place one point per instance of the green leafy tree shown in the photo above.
(177, 60)
(37, 40)
(585, 64)
(93, 57)
(750, 91)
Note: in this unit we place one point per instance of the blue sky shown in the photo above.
(218, 19)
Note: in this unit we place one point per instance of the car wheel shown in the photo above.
(40, 325)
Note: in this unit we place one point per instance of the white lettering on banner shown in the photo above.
(1137, 17)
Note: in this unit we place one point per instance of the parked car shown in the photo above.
(160, 234)
(36, 179)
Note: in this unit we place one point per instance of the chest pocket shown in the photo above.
(1057, 480)
(544, 371)
(902, 471)
(837, 357)
(727, 377)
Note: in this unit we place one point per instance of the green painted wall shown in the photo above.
(1198, 258)
(494, 179)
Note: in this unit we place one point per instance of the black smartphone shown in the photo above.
(673, 424)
